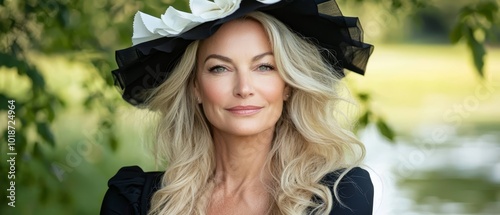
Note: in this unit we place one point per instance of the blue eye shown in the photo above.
(217, 69)
(266, 67)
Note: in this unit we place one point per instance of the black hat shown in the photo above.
(147, 64)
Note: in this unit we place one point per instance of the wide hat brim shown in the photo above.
(146, 65)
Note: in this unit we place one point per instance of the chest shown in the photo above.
(242, 204)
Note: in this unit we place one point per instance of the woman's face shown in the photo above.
(237, 82)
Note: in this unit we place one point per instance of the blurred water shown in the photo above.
(449, 173)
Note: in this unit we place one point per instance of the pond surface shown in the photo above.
(456, 172)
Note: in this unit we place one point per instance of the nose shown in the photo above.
(243, 86)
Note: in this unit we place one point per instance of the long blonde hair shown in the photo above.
(308, 144)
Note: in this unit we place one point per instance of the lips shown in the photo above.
(244, 110)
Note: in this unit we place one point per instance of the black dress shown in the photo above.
(130, 191)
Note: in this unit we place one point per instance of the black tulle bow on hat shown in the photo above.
(148, 64)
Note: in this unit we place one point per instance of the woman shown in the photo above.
(246, 113)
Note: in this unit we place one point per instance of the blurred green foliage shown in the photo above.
(474, 25)
(88, 32)
(83, 31)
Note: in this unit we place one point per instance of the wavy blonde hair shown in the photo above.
(308, 144)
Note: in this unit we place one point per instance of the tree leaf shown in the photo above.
(363, 97)
(10, 61)
(488, 9)
(363, 119)
(457, 33)
(44, 131)
(21, 142)
(23, 68)
(478, 51)
(465, 12)
(396, 4)
(36, 77)
(385, 130)
(37, 151)
(113, 142)
(50, 113)
(3, 101)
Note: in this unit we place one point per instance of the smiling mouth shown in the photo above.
(244, 110)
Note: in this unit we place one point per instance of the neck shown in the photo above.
(240, 160)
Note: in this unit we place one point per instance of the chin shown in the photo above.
(246, 130)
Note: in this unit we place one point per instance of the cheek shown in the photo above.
(213, 92)
(272, 89)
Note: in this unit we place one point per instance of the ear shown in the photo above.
(196, 91)
(287, 93)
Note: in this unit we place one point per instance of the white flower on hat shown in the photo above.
(174, 22)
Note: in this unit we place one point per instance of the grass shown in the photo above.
(416, 85)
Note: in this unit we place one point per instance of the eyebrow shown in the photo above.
(227, 59)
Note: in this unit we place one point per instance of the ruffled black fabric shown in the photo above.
(147, 65)
(355, 191)
(130, 192)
